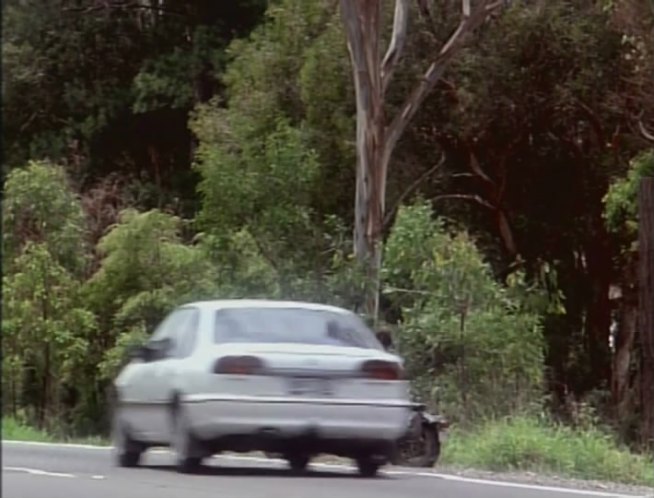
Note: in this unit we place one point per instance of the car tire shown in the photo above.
(188, 456)
(298, 462)
(128, 451)
(432, 447)
(368, 466)
(421, 450)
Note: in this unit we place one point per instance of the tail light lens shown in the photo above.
(382, 370)
(239, 365)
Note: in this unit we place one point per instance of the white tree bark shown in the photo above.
(376, 139)
(398, 38)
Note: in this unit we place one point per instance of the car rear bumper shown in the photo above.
(217, 417)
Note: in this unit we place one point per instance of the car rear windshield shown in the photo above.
(293, 325)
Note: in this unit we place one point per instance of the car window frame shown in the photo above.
(184, 347)
(162, 331)
(168, 330)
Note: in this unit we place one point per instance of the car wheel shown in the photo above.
(368, 466)
(419, 450)
(128, 451)
(298, 462)
(432, 446)
(188, 456)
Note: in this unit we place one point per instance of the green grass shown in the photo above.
(13, 430)
(527, 444)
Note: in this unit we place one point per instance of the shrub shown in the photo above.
(472, 345)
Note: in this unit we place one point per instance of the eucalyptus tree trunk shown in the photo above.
(621, 382)
(376, 135)
(646, 302)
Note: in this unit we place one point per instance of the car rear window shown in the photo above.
(293, 325)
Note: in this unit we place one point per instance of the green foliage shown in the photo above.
(262, 77)
(270, 177)
(164, 82)
(621, 200)
(15, 430)
(146, 270)
(580, 57)
(242, 269)
(40, 206)
(478, 343)
(539, 99)
(116, 357)
(107, 87)
(276, 165)
(536, 445)
(259, 184)
(145, 252)
(51, 86)
(294, 68)
(46, 330)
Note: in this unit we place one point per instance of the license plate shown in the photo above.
(303, 386)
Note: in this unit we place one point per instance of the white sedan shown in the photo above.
(295, 379)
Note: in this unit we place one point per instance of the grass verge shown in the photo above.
(13, 430)
(527, 444)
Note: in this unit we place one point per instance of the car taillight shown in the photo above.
(238, 365)
(382, 370)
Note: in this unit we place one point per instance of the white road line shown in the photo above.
(447, 477)
(37, 472)
(534, 487)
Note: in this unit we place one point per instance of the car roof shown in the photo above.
(217, 304)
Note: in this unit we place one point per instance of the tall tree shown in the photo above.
(646, 301)
(625, 224)
(535, 120)
(45, 326)
(377, 136)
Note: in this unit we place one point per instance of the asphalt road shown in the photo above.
(31, 470)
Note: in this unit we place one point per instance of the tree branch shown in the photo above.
(124, 5)
(502, 221)
(506, 233)
(466, 8)
(648, 135)
(352, 23)
(396, 45)
(410, 190)
(467, 197)
(595, 122)
(437, 68)
(390, 290)
(475, 166)
(265, 254)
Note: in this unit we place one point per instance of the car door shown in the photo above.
(168, 370)
(146, 381)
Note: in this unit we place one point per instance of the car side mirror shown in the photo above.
(153, 350)
(384, 337)
(138, 353)
(160, 349)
